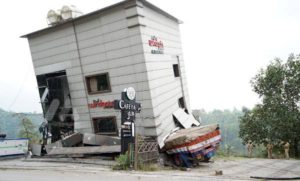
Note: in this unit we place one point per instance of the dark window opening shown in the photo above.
(98, 83)
(105, 125)
(181, 104)
(176, 70)
(177, 123)
(56, 103)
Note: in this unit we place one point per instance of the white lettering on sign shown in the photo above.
(121, 104)
(130, 114)
(126, 106)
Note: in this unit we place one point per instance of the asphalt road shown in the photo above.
(11, 175)
(233, 169)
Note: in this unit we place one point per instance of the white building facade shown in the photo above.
(97, 55)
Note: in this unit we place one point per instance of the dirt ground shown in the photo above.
(232, 168)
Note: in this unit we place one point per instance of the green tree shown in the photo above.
(28, 130)
(277, 118)
(228, 121)
(252, 128)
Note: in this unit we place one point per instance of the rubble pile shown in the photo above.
(79, 145)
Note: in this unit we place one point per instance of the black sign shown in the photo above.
(128, 110)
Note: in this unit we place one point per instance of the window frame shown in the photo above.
(181, 103)
(88, 85)
(176, 70)
(96, 131)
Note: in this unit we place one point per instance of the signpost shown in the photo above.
(129, 107)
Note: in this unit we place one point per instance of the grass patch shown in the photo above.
(122, 162)
(150, 167)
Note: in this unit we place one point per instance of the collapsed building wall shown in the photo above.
(56, 103)
(129, 44)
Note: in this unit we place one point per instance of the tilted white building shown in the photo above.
(93, 57)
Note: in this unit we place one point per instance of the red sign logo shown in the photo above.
(100, 103)
(157, 44)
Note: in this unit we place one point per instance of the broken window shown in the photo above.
(105, 125)
(98, 83)
(176, 70)
(56, 102)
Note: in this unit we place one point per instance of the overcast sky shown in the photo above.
(225, 43)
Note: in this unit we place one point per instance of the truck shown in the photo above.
(191, 145)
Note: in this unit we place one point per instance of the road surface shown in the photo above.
(234, 169)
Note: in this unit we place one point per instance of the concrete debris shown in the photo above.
(72, 146)
(36, 149)
(85, 150)
(94, 139)
(72, 140)
(95, 161)
(56, 144)
(186, 120)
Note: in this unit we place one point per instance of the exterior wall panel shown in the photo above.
(165, 88)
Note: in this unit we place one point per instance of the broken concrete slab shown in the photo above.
(56, 144)
(95, 161)
(85, 150)
(94, 139)
(36, 149)
(72, 140)
(186, 120)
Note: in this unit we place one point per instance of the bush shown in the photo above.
(148, 167)
(123, 162)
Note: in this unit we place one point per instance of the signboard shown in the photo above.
(13, 146)
(129, 107)
(157, 45)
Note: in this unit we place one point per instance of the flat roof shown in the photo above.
(146, 3)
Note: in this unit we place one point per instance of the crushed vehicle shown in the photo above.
(191, 145)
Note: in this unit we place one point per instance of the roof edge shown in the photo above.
(74, 19)
(152, 6)
(144, 2)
